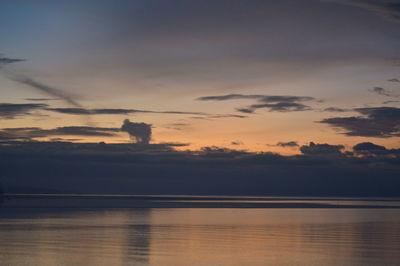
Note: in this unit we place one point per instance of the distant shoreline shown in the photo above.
(190, 201)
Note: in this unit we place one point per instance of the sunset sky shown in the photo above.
(292, 71)
(288, 97)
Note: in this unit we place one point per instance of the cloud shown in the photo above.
(236, 143)
(368, 150)
(380, 122)
(227, 116)
(394, 80)
(121, 111)
(281, 107)
(46, 89)
(30, 133)
(336, 110)
(261, 98)
(388, 9)
(229, 97)
(275, 103)
(288, 144)
(41, 99)
(321, 149)
(177, 126)
(388, 102)
(141, 132)
(6, 60)
(381, 91)
(115, 111)
(13, 110)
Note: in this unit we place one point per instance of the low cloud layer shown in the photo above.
(321, 170)
(274, 103)
(140, 132)
(380, 122)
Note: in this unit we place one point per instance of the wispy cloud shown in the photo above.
(30, 133)
(13, 110)
(336, 110)
(54, 92)
(7, 60)
(287, 144)
(122, 111)
(383, 91)
(41, 99)
(274, 103)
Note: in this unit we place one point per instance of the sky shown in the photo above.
(202, 77)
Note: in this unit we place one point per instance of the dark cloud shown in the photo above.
(245, 110)
(388, 102)
(275, 103)
(41, 99)
(281, 107)
(336, 110)
(141, 132)
(30, 133)
(368, 149)
(46, 89)
(394, 80)
(381, 91)
(388, 9)
(261, 98)
(381, 122)
(13, 110)
(314, 149)
(288, 144)
(236, 143)
(6, 60)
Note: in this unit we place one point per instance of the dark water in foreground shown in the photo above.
(199, 236)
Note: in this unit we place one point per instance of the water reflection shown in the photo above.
(200, 237)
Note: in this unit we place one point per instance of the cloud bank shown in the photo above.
(321, 170)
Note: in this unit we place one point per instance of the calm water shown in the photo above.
(199, 236)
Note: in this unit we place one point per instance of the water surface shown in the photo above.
(199, 236)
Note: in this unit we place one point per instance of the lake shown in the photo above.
(193, 235)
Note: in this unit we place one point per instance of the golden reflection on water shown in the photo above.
(200, 237)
